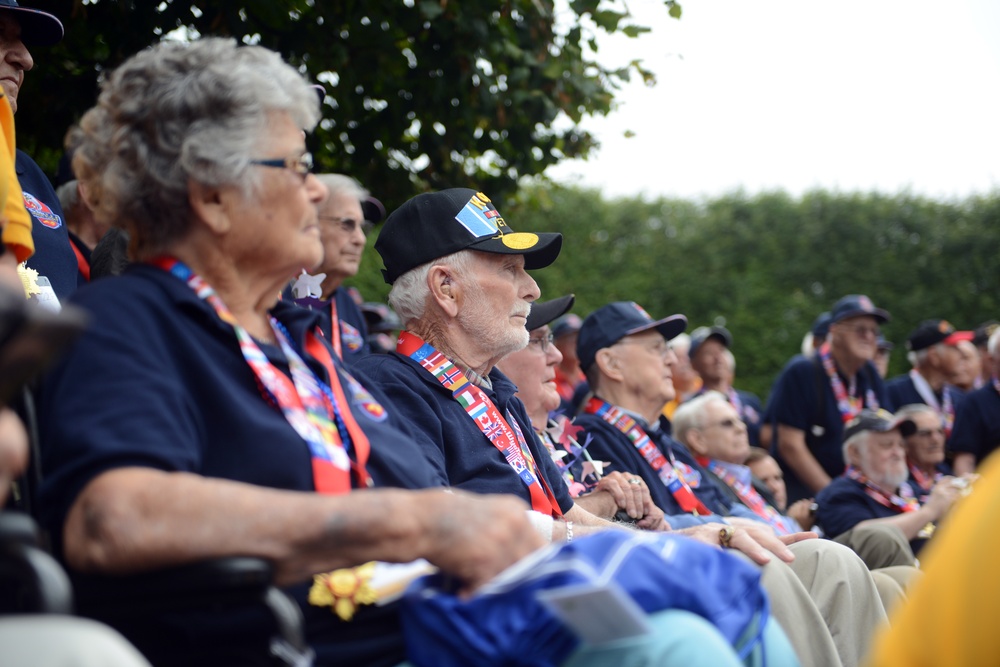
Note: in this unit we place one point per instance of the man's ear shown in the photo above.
(696, 442)
(444, 289)
(207, 203)
(609, 364)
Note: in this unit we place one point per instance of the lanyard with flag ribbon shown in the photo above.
(335, 328)
(901, 503)
(925, 481)
(945, 407)
(750, 497)
(317, 412)
(654, 457)
(848, 404)
(504, 434)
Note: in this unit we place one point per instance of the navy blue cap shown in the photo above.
(701, 334)
(437, 224)
(856, 305)
(38, 28)
(882, 343)
(609, 324)
(543, 312)
(821, 325)
(565, 325)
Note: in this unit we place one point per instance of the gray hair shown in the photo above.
(858, 441)
(908, 411)
(690, 415)
(681, 341)
(341, 184)
(69, 196)
(410, 293)
(178, 112)
(920, 356)
(993, 346)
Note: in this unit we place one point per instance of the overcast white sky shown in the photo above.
(885, 95)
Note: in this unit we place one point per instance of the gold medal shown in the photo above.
(29, 279)
(344, 590)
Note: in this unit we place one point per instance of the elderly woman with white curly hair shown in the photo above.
(200, 417)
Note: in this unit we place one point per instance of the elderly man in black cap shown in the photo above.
(874, 490)
(54, 270)
(934, 355)
(713, 359)
(814, 397)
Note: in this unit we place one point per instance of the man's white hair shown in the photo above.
(410, 293)
(690, 414)
(993, 346)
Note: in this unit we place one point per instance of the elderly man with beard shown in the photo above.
(873, 489)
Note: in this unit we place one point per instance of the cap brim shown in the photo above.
(669, 327)
(38, 28)
(373, 209)
(539, 250)
(958, 336)
(881, 315)
(543, 312)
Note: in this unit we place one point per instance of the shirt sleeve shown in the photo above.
(795, 395)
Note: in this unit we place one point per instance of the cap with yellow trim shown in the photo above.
(437, 224)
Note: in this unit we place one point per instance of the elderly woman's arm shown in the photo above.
(133, 519)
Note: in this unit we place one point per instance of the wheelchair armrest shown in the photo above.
(232, 580)
(31, 581)
(19, 528)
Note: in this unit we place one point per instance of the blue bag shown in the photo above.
(507, 624)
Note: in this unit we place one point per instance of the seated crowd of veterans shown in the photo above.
(213, 408)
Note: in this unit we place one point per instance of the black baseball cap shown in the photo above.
(437, 224)
(880, 421)
(856, 305)
(566, 325)
(702, 334)
(543, 312)
(931, 332)
(38, 28)
(609, 324)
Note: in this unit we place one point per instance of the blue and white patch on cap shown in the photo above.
(41, 212)
(479, 216)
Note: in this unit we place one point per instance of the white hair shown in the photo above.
(993, 346)
(691, 414)
(858, 441)
(681, 341)
(920, 356)
(410, 292)
(807, 345)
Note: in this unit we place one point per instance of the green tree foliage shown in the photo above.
(421, 94)
(765, 266)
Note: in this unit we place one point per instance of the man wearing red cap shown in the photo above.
(934, 355)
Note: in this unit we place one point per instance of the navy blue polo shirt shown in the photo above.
(977, 424)
(159, 381)
(902, 391)
(844, 504)
(54, 257)
(803, 399)
(451, 439)
(607, 443)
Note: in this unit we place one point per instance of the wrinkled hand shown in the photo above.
(759, 541)
(631, 496)
(943, 496)
(801, 512)
(475, 537)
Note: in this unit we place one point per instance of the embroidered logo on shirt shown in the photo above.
(364, 400)
(350, 336)
(41, 212)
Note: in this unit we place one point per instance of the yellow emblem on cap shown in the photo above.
(344, 590)
(520, 240)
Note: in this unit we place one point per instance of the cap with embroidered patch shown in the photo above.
(880, 421)
(609, 324)
(857, 305)
(437, 224)
(931, 332)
